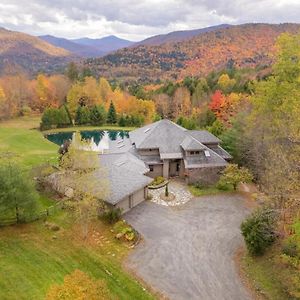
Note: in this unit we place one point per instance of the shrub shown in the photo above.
(223, 186)
(158, 180)
(111, 216)
(233, 175)
(25, 110)
(259, 230)
(49, 118)
(290, 248)
(53, 117)
(123, 230)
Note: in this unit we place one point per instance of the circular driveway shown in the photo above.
(188, 251)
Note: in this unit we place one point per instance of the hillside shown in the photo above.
(177, 36)
(106, 44)
(31, 53)
(76, 48)
(247, 45)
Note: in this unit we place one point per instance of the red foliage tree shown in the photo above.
(217, 102)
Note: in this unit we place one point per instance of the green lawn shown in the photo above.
(32, 257)
(31, 260)
(19, 139)
(197, 192)
(82, 128)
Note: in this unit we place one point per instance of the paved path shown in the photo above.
(178, 188)
(188, 250)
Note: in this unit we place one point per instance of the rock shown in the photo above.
(69, 192)
(52, 226)
(54, 237)
(119, 235)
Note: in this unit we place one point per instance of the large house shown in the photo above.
(159, 149)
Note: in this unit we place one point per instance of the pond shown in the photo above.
(99, 139)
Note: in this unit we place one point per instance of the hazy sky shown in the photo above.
(137, 19)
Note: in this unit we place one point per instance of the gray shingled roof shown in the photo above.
(125, 174)
(201, 161)
(163, 135)
(223, 153)
(190, 143)
(204, 136)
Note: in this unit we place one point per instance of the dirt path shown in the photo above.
(188, 251)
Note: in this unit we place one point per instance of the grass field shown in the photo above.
(74, 128)
(20, 140)
(32, 257)
(31, 260)
(205, 191)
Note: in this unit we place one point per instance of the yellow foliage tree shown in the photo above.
(79, 286)
(225, 83)
(104, 90)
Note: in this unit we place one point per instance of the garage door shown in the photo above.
(138, 197)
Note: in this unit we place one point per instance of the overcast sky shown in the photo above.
(137, 19)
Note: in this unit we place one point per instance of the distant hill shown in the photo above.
(106, 44)
(177, 36)
(30, 52)
(248, 45)
(76, 48)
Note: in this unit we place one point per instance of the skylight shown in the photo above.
(207, 154)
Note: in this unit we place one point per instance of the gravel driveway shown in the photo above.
(188, 251)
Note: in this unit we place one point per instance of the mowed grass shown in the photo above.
(31, 259)
(23, 142)
(205, 191)
(87, 128)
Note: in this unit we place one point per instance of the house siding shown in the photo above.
(146, 152)
(157, 171)
(205, 176)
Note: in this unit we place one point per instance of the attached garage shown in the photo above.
(132, 200)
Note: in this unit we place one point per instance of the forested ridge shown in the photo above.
(248, 45)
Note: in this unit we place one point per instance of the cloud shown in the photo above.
(135, 19)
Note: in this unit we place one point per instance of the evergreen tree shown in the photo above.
(112, 115)
(18, 197)
(97, 115)
(122, 121)
(82, 116)
(63, 117)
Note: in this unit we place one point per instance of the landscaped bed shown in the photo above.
(158, 183)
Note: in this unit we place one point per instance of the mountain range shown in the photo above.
(242, 46)
(86, 47)
(167, 56)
